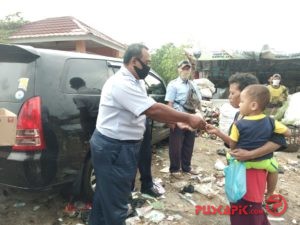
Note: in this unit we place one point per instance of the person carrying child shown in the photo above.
(255, 178)
(254, 129)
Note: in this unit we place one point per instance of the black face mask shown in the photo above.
(142, 73)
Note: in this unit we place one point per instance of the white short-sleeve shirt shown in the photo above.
(123, 101)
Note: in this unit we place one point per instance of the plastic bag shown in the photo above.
(292, 113)
(193, 99)
(235, 180)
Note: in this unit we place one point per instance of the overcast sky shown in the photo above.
(209, 24)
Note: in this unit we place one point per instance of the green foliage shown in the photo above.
(164, 60)
(10, 24)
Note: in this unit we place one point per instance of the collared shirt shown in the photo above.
(177, 91)
(123, 100)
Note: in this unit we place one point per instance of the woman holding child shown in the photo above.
(256, 178)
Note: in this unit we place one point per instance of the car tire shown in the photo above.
(89, 181)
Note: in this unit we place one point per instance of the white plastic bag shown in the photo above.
(206, 87)
(292, 114)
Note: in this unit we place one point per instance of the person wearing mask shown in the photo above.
(181, 140)
(116, 141)
(279, 94)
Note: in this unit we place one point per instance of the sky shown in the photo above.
(204, 24)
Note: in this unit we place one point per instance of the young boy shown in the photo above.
(254, 129)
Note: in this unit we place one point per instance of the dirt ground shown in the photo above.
(19, 207)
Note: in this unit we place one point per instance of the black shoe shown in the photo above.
(152, 192)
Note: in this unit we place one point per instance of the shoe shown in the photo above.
(152, 192)
(192, 172)
(176, 175)
(158, 187)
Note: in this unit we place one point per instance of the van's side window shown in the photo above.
(93, 72)
(154, 85)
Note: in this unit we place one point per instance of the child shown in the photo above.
(254, 129)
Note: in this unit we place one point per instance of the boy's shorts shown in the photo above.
(271, 165)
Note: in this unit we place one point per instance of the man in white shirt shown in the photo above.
(116, 141)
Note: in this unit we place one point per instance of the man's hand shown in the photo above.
(196, 122)
(171, 125)
(241, 154)
(184, 126)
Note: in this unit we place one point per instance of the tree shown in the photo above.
(10, 24)
(164, 60)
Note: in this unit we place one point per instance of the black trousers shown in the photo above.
(181, 145)
(145, 159)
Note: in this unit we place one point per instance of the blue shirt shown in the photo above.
(177, 92)
(123, 101)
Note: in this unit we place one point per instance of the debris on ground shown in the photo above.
(172, 208)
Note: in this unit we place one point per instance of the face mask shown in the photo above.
(184, 75)
(275, 82)
(142, 73)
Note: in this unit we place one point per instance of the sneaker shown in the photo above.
(158, 187)
(152, 192)
(176, 175)
(192, 172)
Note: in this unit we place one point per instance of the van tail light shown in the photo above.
(30, 136)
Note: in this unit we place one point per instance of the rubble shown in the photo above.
(173, 208)
(219, 165)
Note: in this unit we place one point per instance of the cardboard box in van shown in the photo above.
(8, 126)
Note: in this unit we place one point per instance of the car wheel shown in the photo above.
(89, 181)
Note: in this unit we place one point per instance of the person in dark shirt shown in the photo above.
(87, 102)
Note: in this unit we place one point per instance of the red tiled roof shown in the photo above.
(59, 26)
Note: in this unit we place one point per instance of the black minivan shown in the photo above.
(52, 145)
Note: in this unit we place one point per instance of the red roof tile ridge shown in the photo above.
(80, 25)
(96, 32)
(59, 26)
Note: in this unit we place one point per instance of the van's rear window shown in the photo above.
(14, 80)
